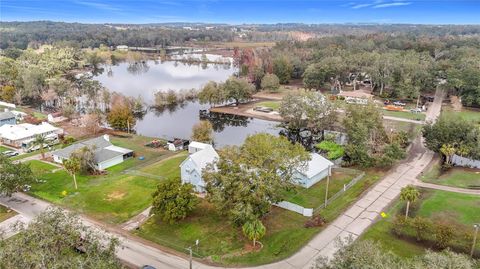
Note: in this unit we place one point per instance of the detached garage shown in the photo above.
(106, 154)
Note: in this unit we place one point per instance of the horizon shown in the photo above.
(235, 12)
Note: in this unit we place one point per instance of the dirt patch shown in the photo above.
(456, 104)
(116, 195)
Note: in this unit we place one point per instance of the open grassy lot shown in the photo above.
(40, 168)
(224, 243)
(5, 213)
(467, 114)
(405, 115)
(114, 197)
(275, 105)
(460, 210)
(457, 208)
(455, 177)
(314, 196)
(3, 149)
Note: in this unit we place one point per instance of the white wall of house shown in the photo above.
(306, 182)
(106, 164)
(189, 174)
(57, 159)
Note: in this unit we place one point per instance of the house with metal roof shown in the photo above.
(316, 169)
(192, 167)
(22, 135)
(7, 117)
(106, 154)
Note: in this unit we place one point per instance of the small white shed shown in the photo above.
(317, 169)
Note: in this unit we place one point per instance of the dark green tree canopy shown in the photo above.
(57, 239)
(173, 200)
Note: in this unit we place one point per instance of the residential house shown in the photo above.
(7, 117)
(23, 135)
(106, 154)
(317, 169)
(191, 168)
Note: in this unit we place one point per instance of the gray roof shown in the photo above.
(6, 115)
(104, 150)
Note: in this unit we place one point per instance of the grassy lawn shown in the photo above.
(5, 213)
(114, 197)
(381, 232)
(40, 168)
(39, 115)
(451, 207)
(455, 177)
(405, 115)
(460, 210)
(223, 243)
(467, 114)
(3, 149)
(314, 196)
(275, 105)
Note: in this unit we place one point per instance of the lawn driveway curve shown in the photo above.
(353, 222)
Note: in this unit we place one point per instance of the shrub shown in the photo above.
(422, 227)
(334, 150)
(315, 221)
(443, 235)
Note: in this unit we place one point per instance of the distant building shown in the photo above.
(7, 118)
(106, 154)
(22, 135)
(191, 168)
(317, 169)
(122, 47)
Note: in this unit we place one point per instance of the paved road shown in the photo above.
(352, 223)
(402, 119)
(446, 188)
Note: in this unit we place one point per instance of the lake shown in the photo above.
(177, 121)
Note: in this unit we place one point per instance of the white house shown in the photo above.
(191, 168)
(317, 169)
(106, 154)
(22, 135)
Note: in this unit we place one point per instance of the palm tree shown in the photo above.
(72, 166)
(447, 150)
(409, 194)
(40, 140)
(254, 230)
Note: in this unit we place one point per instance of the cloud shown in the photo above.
(377, 4)
(395, 4)
(361, 6)
(98, 5)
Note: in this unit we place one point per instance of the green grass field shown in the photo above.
(465, 113)
(5, 213)
(275, 105)
(455, 177)
(115, 197)
(40, 168)
(224, 243)
(452, 207)
(314, 196)
(3, 149)
(405, 115)
(458, 209)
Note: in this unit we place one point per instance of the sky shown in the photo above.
(244, 11)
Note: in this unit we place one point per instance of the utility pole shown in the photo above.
(191, 254)
(476, 226)
(326, 189)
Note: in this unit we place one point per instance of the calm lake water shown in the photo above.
(145, 80)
